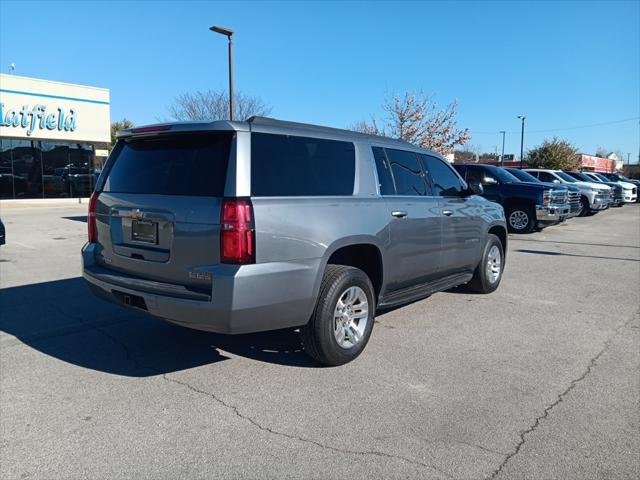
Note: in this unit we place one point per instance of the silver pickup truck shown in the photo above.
(237, 227)
(593, 197)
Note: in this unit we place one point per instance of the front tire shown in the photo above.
(520, 218)
(586, 210)
(342, 321)
(488, 273)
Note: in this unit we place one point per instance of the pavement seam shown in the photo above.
(258, 425)
(533, 427)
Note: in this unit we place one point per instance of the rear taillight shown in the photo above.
(237, 236)
(91, 218)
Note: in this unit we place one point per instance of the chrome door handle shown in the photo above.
(447, 213)
(399, 213)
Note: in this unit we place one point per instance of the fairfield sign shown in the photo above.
(37, 109)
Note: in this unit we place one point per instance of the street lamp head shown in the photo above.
(522, 117)
(222, 30)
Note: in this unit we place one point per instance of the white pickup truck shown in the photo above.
(593, 196)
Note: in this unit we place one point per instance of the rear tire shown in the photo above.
(520, 218)
(488, 274)
(342, 321)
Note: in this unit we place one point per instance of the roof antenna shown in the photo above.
(12, 69)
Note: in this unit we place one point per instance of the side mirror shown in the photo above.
(489, 181)
(474, 189)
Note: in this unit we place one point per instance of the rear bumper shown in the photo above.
(244, 299)
(552, 213)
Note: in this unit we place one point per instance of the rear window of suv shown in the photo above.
(283, 165)
(185, 164)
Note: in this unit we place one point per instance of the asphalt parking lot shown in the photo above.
(539, 380)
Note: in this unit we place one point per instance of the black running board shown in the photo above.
(417, 292)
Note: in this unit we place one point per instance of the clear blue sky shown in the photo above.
(563, 64)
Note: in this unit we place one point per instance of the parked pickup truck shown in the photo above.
(593, 197)
(627, 190)
(238, 227)
(618, 177)
(526, 205)
(617, 197)
(573, 191)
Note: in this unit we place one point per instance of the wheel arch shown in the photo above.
(361, 252)
(500, 231)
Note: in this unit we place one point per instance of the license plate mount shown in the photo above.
(144, 231)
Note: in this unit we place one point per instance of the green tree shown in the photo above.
(119, 125)
(554, 153)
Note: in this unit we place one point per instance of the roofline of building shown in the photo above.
(8, 75)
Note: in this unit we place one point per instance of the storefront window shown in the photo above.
(81, 173)
(6, 170)
(33, 169)
(55, 170)
(27, 169)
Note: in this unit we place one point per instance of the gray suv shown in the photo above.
(237, 227)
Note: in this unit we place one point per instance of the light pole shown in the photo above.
(523, 118)
(229, 34)
(502, 156)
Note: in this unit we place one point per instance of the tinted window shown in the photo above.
(564, 176)
(445, 182)
(522, 175)
(407, 173)
(501, 174)
(385, 182)
(190, 164)
(474, 175)
(283, 165)
(545, 176)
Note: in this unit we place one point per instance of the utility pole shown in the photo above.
(523, 118)
(502, 156)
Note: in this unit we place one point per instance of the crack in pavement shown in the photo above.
(560, 398)
(258, 425)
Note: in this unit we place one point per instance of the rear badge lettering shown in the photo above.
(199, 275)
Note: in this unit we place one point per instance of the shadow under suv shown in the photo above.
(237, 227)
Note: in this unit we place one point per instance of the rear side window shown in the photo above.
(283, 165)
(385, 182)
(187, 164)
(407, 173)
(445, 182)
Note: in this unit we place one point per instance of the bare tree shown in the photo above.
(417, 119)
(210, 105)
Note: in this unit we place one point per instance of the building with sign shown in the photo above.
(49, 134)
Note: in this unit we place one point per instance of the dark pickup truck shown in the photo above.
(526, 205)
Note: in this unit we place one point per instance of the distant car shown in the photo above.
(2, 233)
(573, 191)
(527, 206)
(593, 196)
(630, 187)
(617, 199)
